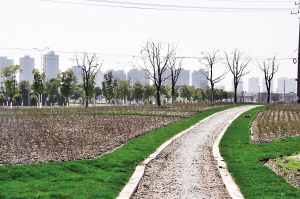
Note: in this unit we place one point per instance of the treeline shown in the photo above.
(113, 91)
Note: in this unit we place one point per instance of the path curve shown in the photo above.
(186, 168)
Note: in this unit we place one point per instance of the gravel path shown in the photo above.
(186, 168)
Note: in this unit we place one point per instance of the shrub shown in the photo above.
(2, 98)
(34, 99)
(17, 98)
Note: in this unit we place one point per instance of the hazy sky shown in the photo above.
(116, 30)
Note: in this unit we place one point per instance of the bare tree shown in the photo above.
(237, 66)
(269, 68)
(156, 58)
(89, 67)
(175, 71)
(211, 59)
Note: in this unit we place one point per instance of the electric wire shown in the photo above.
(143, 6)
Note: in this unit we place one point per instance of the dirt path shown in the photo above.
(186, 168)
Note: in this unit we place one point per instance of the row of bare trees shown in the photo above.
(159, 57)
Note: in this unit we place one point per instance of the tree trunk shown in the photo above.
(212, 92)
(173, 94)
(158, 97)
(269, 92)
(235, 93)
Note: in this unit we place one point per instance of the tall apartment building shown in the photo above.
(77, 72)
(253, 85)
(4, 62)
(27, 65)
(118, 74)
(51, 65)
(137, 76)
(265, 87)
(287, 85)
(99, 78)
(199, 79)
(184, 78)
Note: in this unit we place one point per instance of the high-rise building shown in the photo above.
(137, 76)
(265, 87)
(253, 85)
(287, 85)
(27, 65)
(99, 78)
(4, 62)
(118, 75)
(184, 78)
(199, 79)
(51, 65)
(292, 85)
(77, 72)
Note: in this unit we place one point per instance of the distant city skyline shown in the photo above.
(188, 77)
(117, 34)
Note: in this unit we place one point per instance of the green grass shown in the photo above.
(243, 160)
(103, 177)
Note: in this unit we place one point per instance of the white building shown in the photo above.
(4, 62)
(51, 65)
(184, 78)
(137, 76)
(199, 79)
(287, 85)
(99, 78)
(118, 75)
(27, 65)
(77, 72)
(253, 85)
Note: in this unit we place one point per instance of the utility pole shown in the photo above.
(298, 73)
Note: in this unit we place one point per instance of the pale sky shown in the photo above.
(260, 28)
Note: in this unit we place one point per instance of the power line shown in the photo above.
(240, 1)
(115, 57)
(143, 6)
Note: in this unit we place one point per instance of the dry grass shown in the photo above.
(276, 122)
(36, 135)
(26, 139)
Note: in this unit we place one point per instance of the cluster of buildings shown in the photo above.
(50, 63)
(196, 79)
(50, 66)
(284, 85)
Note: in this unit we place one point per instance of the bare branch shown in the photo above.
(269, 69)
(237, 69)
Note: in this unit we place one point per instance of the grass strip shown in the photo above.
(103, 177)
(243, 160)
